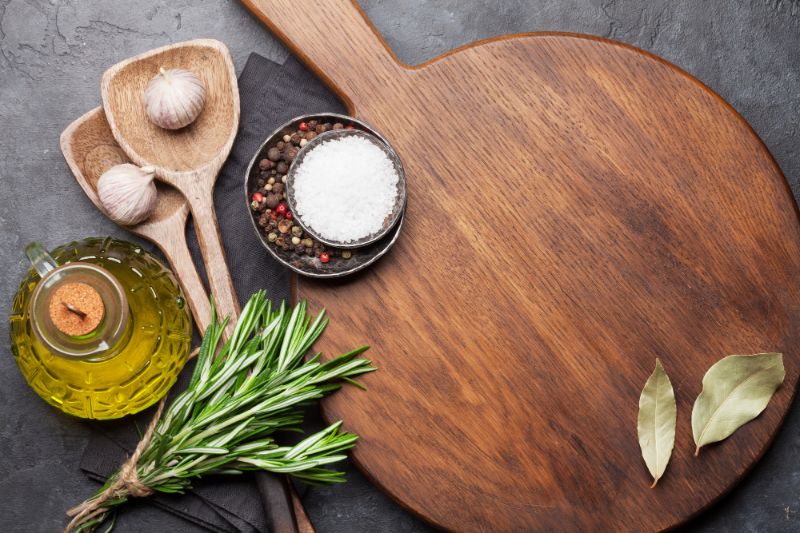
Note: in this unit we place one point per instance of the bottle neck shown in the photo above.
(79, 311)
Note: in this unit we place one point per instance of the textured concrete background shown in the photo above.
(52, 54)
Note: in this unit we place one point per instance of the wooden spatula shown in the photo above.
(90, 149)
(190, 158)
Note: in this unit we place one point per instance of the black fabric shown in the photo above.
(270, 95)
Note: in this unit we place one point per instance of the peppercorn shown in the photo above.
(303, 142)
(264, 164)
(267, 187)
(350, 127)
(277, 188)
(271, 181)
(295, 138)
(303, 126)
(338, 126)
(282, 167)
(311, 135)
(295, 240)
(260, 183)
(285, 247)
(290, 153)
(319, 129)
(263, 220)
(324, 257)
(287, 138)
(312, 124)
(288, 214)
(273, 154)
(281, 209)
(258, 197)
(272, 236)
(279, 241)
(297, 231)
(254, 205)
(347, 254)
(273, 200)
(309, 251)
(308, 243)
(280, 145)
(284, 226)
(273, 215)
(283, 179)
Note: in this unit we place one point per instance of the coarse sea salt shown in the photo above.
(344, 189)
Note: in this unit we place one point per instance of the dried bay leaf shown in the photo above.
(735, 391)
(657, 418)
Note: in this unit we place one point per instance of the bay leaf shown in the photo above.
(657, 418)
(735, 391)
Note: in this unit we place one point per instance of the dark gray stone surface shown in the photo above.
(52, 54)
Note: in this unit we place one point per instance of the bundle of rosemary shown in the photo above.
(238, 397)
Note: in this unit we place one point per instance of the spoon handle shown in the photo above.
(201, 202)
(177, 253)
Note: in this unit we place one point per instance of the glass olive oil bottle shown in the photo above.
(99, 328)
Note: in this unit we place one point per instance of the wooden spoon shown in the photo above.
(190, 158)
(90, 149)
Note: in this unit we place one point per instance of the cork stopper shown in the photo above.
(76, 309)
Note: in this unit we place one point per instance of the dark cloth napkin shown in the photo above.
(270, 95)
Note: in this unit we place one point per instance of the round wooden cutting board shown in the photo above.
(577, 208)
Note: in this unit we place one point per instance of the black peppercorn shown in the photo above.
(277, 187)
(273, 154)
(273, 200)
(282, 167)
(295, 138)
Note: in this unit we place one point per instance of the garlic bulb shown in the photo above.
(174, 98)
(128, 193)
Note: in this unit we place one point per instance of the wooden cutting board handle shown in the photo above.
(337, 41)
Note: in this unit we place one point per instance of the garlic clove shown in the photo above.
(128, 193)
(174, 98)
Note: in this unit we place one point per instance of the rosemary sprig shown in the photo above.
(238, 397)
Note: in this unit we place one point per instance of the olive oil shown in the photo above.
(131, 359)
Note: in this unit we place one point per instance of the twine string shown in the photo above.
(126, 484)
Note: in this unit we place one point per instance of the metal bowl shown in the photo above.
(309, 265)
(400, 199)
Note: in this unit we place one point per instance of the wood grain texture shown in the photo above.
(90, 149)
(577, 208)
(189, 159)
